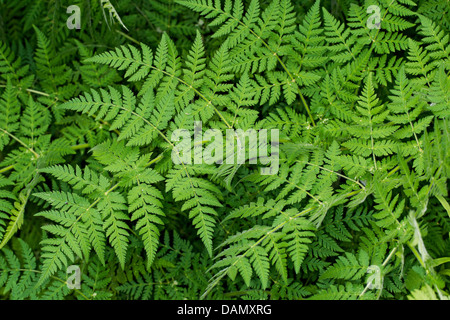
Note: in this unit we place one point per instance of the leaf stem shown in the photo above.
(7, 169)
(21, 142)
(29, 90)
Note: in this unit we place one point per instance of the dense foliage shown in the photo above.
(357, 210)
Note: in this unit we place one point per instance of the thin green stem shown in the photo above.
(21, 142)
(128, 37)
(7, 169)
(154, 160)
(385, 262)
(80, 146)
(29, 90)
(76, 147)
(418, 257)
(336, 173)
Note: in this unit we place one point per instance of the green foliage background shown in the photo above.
(86, 175)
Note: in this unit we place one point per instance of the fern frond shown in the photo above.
(200, 197)
(348, 267)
